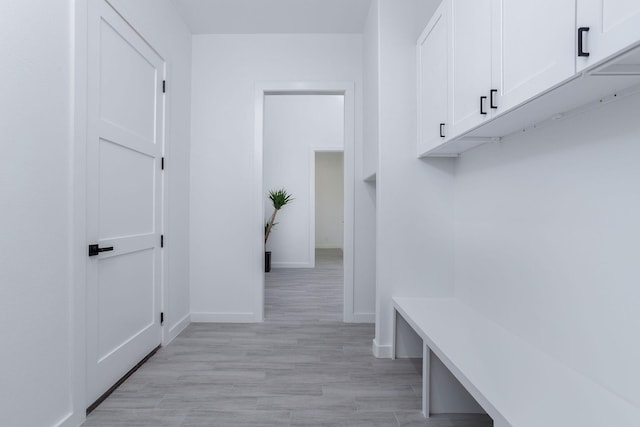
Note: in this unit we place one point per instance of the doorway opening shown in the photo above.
(303, 144)
(329, 208)
(302, 129)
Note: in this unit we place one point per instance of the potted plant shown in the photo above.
(278, 198)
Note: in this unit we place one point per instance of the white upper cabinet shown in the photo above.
(433, 81)
(470, 65)
(490, 68)
(534, 47)
(606, 27)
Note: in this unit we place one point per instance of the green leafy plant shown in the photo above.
(279, 198)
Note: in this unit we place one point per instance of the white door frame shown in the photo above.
(78, 242)
(78, 206)
(345, 89)
(312, 196)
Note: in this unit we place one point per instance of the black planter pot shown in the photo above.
(267, 262)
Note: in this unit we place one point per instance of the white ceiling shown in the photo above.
(273, 16)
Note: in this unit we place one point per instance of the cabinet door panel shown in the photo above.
(470, 63)
(613, 25)
(433, 47)
(534, 47)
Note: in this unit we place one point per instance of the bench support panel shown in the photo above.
(449, 396)
(426, 376)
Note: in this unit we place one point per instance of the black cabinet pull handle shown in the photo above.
(441, 130)
(493, 98)
(482, 99)
(95, 249)
(581, 32)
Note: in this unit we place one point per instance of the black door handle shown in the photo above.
(492, 100)
(482, 99)
(95, 249)
(581, 32)
(441, 130)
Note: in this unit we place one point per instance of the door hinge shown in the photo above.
(162, 163)
(164, 86)
(162, 240)
(161, 318)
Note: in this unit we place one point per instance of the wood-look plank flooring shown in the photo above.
(301, 367)
(306, 295)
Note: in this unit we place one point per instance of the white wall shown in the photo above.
(159, 23)
(371, 79)
(366, 223)
(415, 197)
(295, 125)
(329, 200)
(224, 270)
(35, 194)
(414, 225)
(547, 232)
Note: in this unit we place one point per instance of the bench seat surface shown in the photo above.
(510, 378)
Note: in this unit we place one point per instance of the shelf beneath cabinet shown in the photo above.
(603, 83)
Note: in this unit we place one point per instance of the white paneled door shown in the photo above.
(605, 27)
(470, 65)
(533, 47)
(124, 196)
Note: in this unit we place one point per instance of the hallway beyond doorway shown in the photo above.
(303, 294)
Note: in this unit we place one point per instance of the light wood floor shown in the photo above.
(301, 367)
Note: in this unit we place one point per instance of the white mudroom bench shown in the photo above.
(516, 383)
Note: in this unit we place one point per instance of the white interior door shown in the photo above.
(124, 149)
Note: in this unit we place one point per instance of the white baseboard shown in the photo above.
(175, 330)
(329, 246)
(292, 265)
(224, 318)
(381, 351)
(362, 318)
(71, 420)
